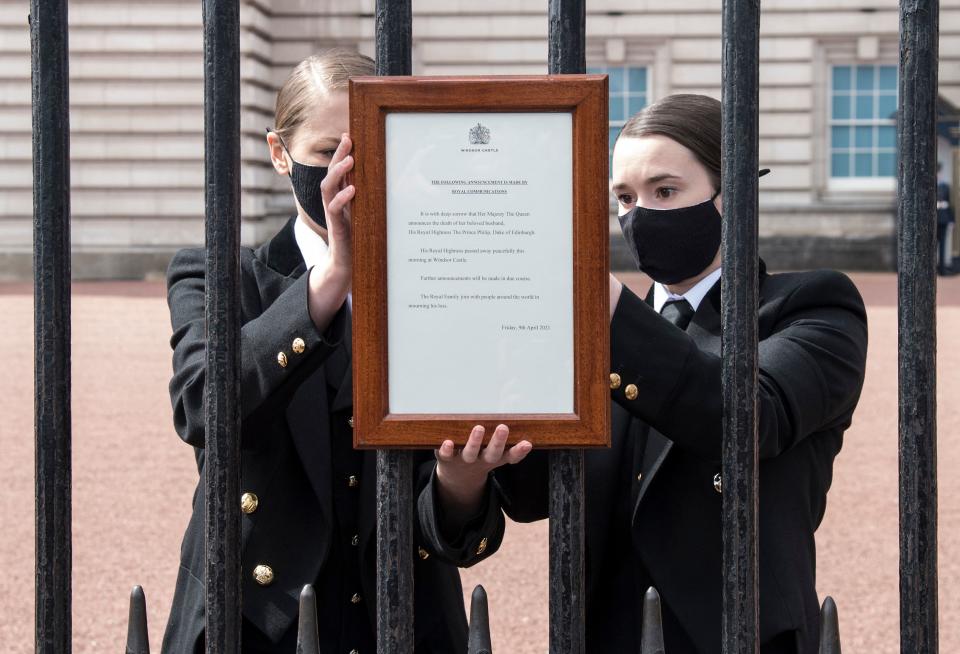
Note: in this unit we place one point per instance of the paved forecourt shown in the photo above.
(133, 481)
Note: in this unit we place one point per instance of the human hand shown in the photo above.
(337, 196)
(330, 282)
(462, 476)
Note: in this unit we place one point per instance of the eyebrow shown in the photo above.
(620, 186)
(662, 177)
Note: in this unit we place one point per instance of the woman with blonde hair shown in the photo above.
(308, 498)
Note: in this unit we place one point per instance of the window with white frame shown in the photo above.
(863, 122)
(629, 93)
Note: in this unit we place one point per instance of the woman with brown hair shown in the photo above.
(653, 500)
(308, 498)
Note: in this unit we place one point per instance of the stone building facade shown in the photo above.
(828, 83)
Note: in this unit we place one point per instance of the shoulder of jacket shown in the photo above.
(822, 286)
(192, 262)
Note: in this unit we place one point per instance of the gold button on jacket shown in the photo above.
(282, 359)
(631, 392)
(299, 346)
(614, 381)
(482, 547)
(350, 422)
(355, 599)
(352, 481)
(249, 502)
(718, 483)
(263, 575)
(424, 554)
(355, 541)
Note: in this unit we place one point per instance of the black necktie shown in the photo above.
(679, 312)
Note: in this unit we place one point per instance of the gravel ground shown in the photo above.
(133, 481)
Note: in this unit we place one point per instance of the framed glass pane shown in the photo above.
(595, 70)
(866, 94)
(887, 108)
(840, 165)
(840, 137)
(614, 131)
(636, 103)
(627, 87)
(841, 78)
(841, 107)
(638, 80)
(616, 108)
(887, 164)
(616, 80)
(887, 136)
(888, 78)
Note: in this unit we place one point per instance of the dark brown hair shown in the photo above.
(691, 120)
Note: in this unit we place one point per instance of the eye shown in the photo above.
(626, 199)
(665, 192)
(327, 153)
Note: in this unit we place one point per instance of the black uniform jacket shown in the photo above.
(653, 511)
(287, 426)
(944, 211)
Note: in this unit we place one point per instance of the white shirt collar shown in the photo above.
(694, 296)
(313, 248)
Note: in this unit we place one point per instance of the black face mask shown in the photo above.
(306, 180)
(672, 245)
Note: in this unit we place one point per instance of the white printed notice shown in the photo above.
(480, 262)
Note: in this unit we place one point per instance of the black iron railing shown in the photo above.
(917, 281)
(51, 270)
(221, 57)
(567, 54)
(740, 163)
(917, 289)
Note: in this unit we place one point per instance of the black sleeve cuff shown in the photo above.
(477, 538)
(647, 357)
(282, 346)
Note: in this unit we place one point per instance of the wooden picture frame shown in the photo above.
(584, 98)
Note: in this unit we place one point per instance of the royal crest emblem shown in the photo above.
(479, 135)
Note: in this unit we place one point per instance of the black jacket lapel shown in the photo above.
(704, 329)
(655, 453)
(277, 264)
(281, 263)
(655, 448)
(310, 429)
(344, 397)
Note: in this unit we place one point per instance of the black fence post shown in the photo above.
(394, 19)
(829, 628)
(651, 637)
(51, 287)
(917, 287)
(478, 640)
(567, 54)
(308, 634)
(741, 53)
(221, 32)
(138, 641)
